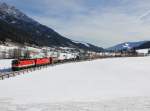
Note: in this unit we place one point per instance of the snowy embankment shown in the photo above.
(98, 80)
(5, 65)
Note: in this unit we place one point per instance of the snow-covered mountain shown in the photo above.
(130, 45)
(7, 10)
(18, 27)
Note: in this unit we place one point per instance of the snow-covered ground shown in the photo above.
(5, 65)
(119, 84)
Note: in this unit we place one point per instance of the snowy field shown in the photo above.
(119, 84)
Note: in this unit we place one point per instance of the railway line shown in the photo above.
(5, 75)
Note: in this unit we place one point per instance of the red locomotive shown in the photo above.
(27, 63)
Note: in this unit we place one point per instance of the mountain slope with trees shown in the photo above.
(18, 27)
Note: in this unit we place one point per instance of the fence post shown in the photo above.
(2, 77)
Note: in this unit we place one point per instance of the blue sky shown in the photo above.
(101, 22)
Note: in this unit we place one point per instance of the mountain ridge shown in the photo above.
(20, 28)
(130, 45)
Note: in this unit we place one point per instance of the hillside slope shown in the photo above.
(18, 27)
(130, 45)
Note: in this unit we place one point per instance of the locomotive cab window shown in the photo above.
(15, 62)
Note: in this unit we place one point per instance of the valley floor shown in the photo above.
(119, 84)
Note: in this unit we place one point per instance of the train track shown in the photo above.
(10, 74)
(24, 71)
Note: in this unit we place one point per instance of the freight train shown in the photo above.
(20, 64)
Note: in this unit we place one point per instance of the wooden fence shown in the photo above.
(24, 71)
